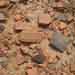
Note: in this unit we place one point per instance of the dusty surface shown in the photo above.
(37, 37)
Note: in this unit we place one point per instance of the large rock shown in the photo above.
(31, 37)
(59, 42)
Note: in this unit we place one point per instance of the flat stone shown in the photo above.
(44, 19)
(31, 37)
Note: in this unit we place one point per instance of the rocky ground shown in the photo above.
(37, 37)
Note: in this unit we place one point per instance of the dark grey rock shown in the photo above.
(39, 59)
(58, 42)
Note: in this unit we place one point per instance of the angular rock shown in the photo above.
(31, 37)
(58, 42)
(3, 61)
(39, 59)
(44, 19)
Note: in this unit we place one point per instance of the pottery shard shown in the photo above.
(44, 19)
(4, 3)
(31, 37)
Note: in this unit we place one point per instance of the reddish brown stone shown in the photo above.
(44, 19)
(31, 36)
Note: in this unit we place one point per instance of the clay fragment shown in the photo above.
(31, 37)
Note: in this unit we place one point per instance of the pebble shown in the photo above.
(3, 61)
(2, 16)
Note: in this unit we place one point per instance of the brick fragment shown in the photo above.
(31, 37)
(44, 19)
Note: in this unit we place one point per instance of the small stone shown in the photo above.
(2, 28)
(4, 3)
(44, 19)
(39, 59)
(3, 61)
(19, 26)
(2, 17)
